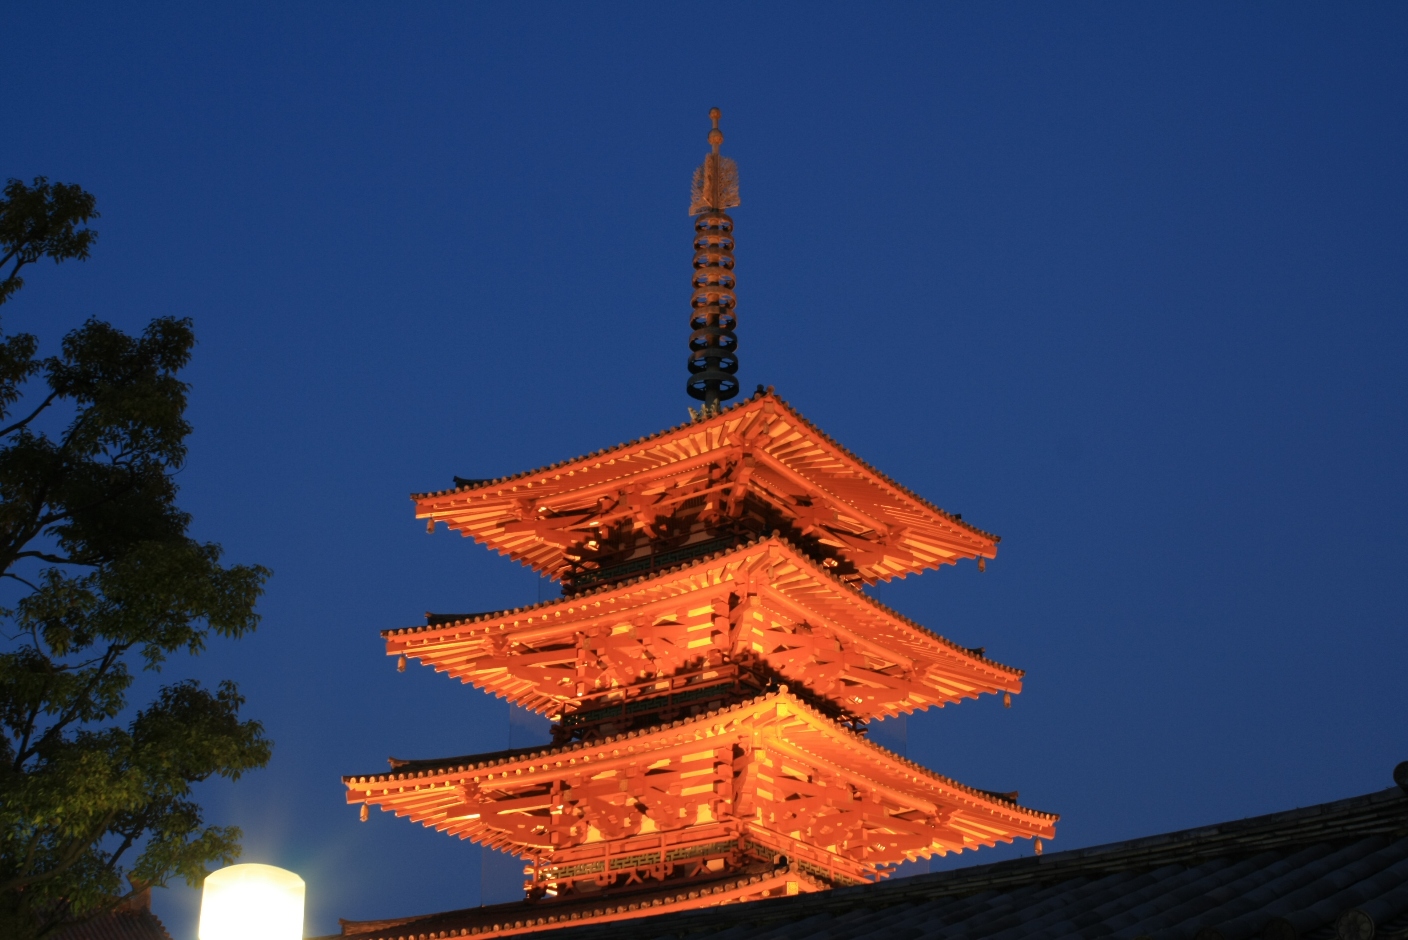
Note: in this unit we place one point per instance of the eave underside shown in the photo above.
(1298, 873)
(519, 917)
(765, 601)
(771, 772)
(760, 447)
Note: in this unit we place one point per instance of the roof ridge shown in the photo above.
(1352, 818)
(866, 741)
(776, 536)
(438, 766)
(757, 396)
(494, 481)
(557, 913)
(599, 589)
(881, 474)
(1386, 809)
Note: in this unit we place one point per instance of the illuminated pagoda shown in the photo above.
(713, 661)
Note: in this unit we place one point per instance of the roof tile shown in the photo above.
(1308, 867)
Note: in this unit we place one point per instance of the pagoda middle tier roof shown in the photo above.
(770, 770)
(763, 601)
(761, 445)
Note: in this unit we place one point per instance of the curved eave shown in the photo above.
(932, 537)
(426, 791)
(446, 647)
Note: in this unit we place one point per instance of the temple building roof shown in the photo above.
(131, 920)
(771, 769)
(770, 450)
(1334, 870)
(765, 600)
(123, 925)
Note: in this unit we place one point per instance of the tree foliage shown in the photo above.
(101, 581)
(42, 221)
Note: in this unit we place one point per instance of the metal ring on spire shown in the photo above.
(713, 359)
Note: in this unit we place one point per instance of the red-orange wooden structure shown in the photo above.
(755, 468)
(714, 659)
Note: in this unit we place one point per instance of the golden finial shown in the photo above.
(716, 182)
(713, 357)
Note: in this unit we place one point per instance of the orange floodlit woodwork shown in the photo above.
(744, 786)
(714, 660)
(653, 648)
(747, 471)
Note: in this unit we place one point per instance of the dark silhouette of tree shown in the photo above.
(99, 578)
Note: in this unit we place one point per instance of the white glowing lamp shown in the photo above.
(252, 902)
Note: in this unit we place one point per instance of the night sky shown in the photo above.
(1122, 284)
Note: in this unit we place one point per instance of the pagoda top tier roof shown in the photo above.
(884, 528)
(805, 622)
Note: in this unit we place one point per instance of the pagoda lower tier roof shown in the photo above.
(1336, 869)
(760, 446)
(764, 602)
(518, 917)
(770, 776)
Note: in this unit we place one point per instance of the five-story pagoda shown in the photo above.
(712, 663)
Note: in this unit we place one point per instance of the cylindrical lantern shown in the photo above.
(252, 902)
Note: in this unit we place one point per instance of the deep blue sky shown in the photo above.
(1124, 284)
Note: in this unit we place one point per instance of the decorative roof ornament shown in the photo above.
(716, 180)
(713, 358)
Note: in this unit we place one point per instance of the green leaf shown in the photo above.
(109, 581)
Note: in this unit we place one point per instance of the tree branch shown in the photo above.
(31, 850)
(70, 715)
(29, 584)
(23, 745)
(48, 400)
(130, 839)
(70, 858)
(44, 556)
(14, 272)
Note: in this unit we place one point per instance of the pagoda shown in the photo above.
(713, 662)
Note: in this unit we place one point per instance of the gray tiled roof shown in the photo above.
(1299, 870)
(117, 925)
(1334, 870)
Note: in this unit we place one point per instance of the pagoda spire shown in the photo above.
(713, 358)
(711, 666)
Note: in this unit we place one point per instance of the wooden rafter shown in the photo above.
(767, 777)
(765, 601)
(760, 446)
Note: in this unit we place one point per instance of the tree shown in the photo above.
(41, 221)
(100, 579)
